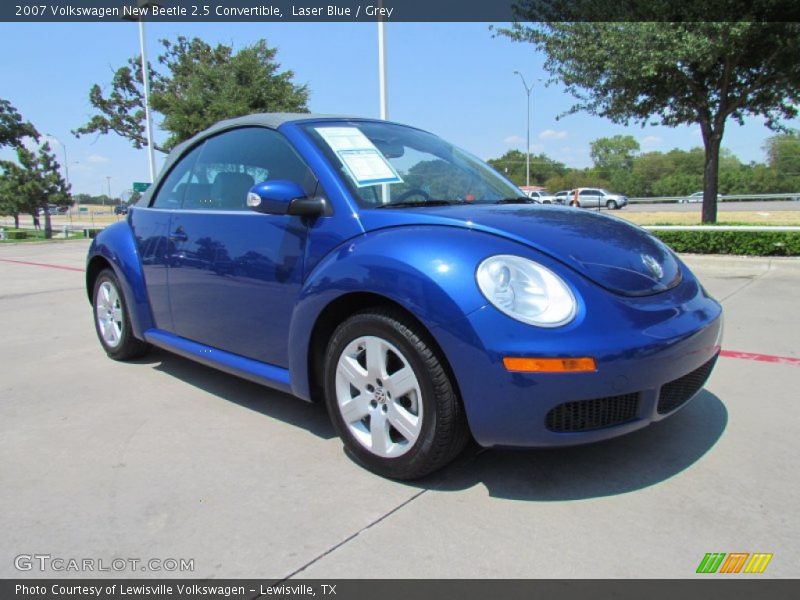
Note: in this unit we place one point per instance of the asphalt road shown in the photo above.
(760, 206)
(163, 458)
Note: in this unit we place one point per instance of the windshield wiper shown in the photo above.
(407, 204)
(516, 200)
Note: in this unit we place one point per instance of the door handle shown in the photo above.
(179, 235)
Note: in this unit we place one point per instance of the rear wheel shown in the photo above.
(111, 319)
(390, 397)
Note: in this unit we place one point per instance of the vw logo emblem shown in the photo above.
(653, 266)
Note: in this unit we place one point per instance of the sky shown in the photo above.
(453, 79)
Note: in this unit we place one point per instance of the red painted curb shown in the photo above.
(38, 264)
(770, 358)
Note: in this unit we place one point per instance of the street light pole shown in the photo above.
(66, 163)
(145, 6)
(384, 108)
(148, 120)
(528, 91)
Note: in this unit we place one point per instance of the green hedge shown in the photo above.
(16, 235)
(748, 243)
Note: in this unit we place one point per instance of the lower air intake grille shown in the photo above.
(584, 415)
(678, 392)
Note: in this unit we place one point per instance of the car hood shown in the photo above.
(611, 252)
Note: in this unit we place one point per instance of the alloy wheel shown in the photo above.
(379, 396)
(109, 314)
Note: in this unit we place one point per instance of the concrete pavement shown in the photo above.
(163, 458)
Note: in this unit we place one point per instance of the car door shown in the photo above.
(237, 273)
(151, 228)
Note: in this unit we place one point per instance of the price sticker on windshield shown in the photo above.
(364, 163)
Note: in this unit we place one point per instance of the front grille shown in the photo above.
(678, 392)
(584, 415)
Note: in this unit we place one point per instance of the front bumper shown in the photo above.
(652, 353)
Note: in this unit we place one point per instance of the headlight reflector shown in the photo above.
(526, 291)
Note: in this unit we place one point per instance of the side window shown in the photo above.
(234, 161)
(171, 192)
(585, 193)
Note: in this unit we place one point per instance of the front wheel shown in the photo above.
(111, 319)
(390, 397)
(611, 205)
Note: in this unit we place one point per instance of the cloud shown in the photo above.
(53, 141)
(651, 141)
(514, 140)
(552, 134)
(80, 167)
(97, 159)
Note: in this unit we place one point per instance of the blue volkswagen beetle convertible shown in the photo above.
(400, 280)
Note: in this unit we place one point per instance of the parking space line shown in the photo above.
(38, 264)
(770, 358)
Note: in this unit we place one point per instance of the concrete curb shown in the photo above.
(725, 261)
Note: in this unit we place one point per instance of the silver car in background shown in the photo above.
(598, 198)
(696, 197)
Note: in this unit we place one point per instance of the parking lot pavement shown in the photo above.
(163, 458)
(723, 207)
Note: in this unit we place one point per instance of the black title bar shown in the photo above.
(104, 11)
(704, 587)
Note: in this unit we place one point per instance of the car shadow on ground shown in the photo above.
(258, 398)
(638, 460)
(641, 459)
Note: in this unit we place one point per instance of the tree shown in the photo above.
(613, 154)
(197, 86)
(512, 165)
(783, 157)
(9, 200)
(676, 73)
(33, 183)
(13, 129)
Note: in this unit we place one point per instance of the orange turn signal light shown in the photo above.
(549, 365)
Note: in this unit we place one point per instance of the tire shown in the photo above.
(612, 205)
(369, 408)
(112, 321)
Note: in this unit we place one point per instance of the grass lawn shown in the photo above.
(33, 235)
(779, 217)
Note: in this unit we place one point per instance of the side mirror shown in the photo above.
(281, 197)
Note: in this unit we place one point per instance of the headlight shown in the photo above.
(526, 291)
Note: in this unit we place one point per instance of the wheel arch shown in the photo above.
(115, 248)
(94, 267)
(339, 310)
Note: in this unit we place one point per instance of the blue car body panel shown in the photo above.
(244, 291)
(578, 239)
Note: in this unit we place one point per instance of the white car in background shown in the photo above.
(563, 197)
(696, 197)
(541, 196)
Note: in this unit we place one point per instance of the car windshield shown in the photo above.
(387, 165)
